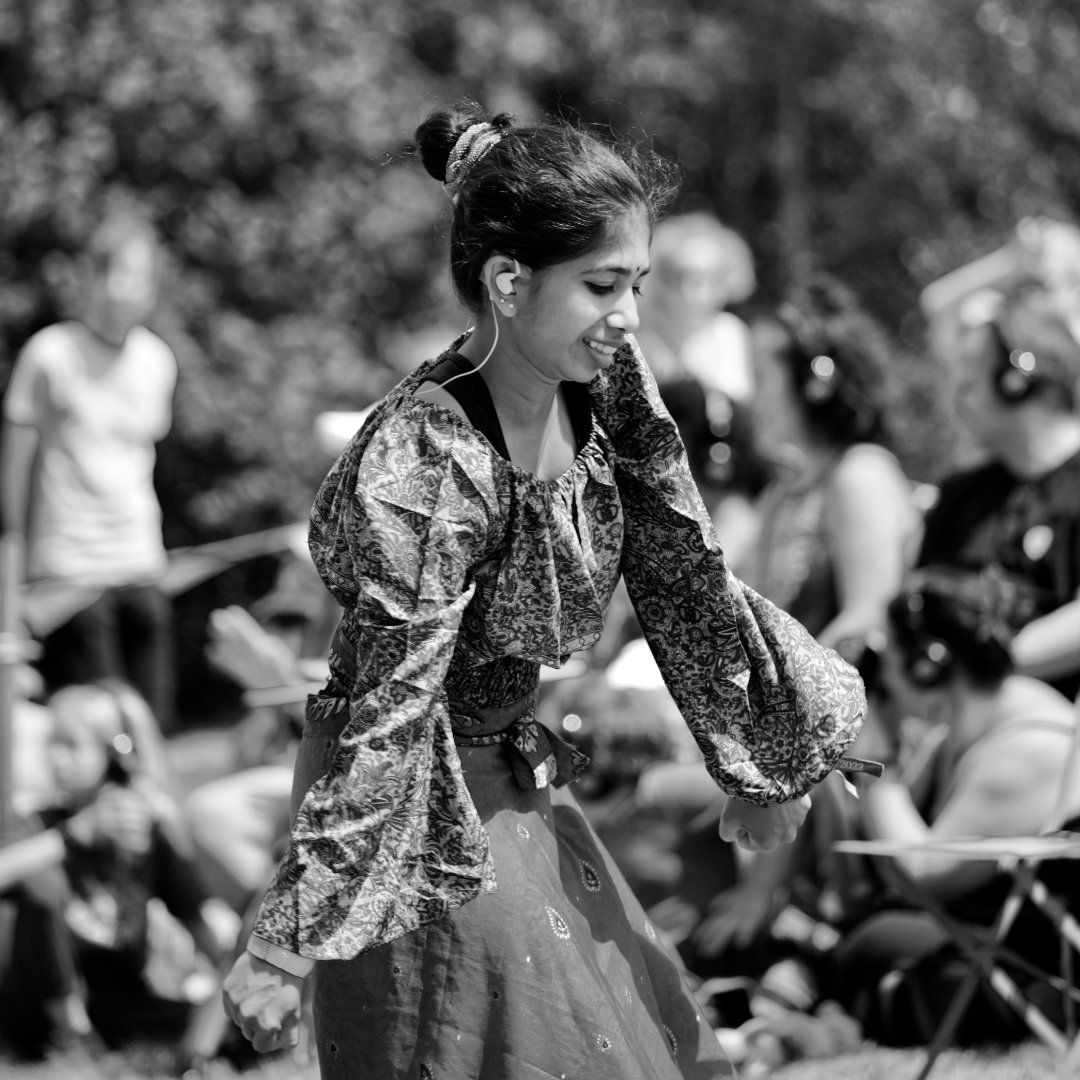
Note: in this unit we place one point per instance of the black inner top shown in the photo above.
(475, 399)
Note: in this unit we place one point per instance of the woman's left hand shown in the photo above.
(762, 828)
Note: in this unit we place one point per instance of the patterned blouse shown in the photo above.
(458, 575)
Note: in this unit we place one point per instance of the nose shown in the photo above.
(624, 316)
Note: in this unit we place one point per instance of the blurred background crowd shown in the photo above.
(217, 251)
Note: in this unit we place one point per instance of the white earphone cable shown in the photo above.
(494, 343)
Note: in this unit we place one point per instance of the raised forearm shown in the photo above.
(22, 858)
(1049, 647)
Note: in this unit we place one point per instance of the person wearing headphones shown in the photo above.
(1018, 398)
(838, 520)
(442, 887)
(837, 529)
(993, 765)
(1041, 252)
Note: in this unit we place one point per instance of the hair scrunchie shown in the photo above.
(473, 143)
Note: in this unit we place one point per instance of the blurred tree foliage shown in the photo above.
(887, 142)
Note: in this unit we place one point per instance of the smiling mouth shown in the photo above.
(601, 347)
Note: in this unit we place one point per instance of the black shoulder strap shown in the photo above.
(472, 394)
(580, 405)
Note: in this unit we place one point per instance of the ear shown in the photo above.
(501, 275)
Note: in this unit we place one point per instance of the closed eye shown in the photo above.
(607, 290)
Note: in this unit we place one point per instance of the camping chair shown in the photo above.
(1023, 858)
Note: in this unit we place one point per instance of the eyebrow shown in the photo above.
(616, 270)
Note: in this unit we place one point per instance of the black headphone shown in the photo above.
(821, 385)
(1016, 371)
(833, 399)
(121, 749)
(930, 662)
(823, 381)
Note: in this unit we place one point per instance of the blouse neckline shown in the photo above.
(584, 429)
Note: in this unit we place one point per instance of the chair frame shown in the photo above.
(1020, 857)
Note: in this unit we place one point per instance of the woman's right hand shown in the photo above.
(264, 1002)
(762, 828)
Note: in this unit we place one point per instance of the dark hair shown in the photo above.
(838, 359)
(545, 193)
(1027, 323)
(717, 431)
(947, 618)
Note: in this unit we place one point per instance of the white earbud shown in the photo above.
(504, 282)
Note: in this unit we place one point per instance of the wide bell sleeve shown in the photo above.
(389, 839)
(771, 709)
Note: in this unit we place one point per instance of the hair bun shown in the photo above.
(437, 135)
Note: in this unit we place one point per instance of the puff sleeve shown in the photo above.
(388, 840)
(771, 709)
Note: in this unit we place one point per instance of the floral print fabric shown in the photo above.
(458, 575)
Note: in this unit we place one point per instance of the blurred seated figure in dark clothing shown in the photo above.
(110, 936)
(996, 764)
(718, 433)
(1017, 369)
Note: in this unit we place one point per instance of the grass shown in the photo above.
(147, 1063)
(1029, 1061)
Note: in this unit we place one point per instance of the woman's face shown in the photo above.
(79, 757)
(126, 289)
(694, 279)
(573, 316)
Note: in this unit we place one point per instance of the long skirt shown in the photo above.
(558, 973)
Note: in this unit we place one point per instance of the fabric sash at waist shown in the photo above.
(538, 756)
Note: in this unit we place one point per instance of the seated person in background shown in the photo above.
(725, 462)
(239, 821)
(838, 522)
(701, 356)
(994, 768)
(111, 932)
(1018, 397)
(30, 775)
(1041, 253)
(837, 525)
